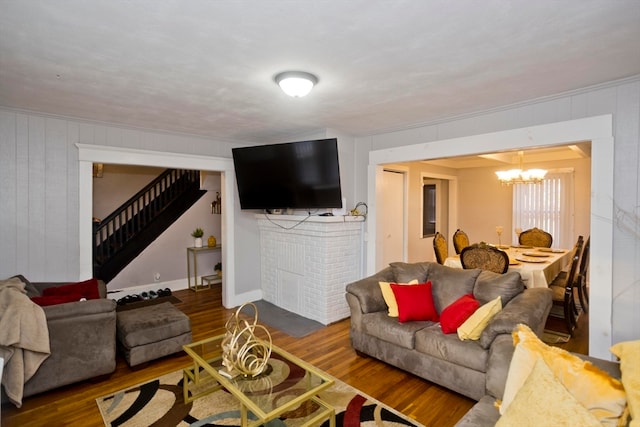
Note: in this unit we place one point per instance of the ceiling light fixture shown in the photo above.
(296, 83)
(519, 176)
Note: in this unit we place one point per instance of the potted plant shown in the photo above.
(218, 269)
(197, 234)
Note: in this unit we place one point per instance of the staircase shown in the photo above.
(123, 235)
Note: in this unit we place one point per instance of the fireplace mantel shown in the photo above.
(306, 262)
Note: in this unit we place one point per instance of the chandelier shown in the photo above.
(520, 176)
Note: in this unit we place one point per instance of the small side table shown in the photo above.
(192, 252)
(212, 279)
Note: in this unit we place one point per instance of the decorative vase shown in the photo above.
(198, 242)
(211, 242)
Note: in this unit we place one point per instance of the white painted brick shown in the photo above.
(320, 256)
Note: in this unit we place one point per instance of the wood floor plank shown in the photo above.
(328, 349)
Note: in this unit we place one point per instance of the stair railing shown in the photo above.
(112, 233)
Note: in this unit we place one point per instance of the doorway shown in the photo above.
(393, 214)
(599, 131)
(435, 210)
(89, 154)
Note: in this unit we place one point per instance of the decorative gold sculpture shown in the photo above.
(243, 352)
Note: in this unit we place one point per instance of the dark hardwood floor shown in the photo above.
(328, 349)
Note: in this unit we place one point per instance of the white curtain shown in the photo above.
(548, 206)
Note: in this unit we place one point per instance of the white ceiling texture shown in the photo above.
(206, 67)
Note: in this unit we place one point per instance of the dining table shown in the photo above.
(537, 266)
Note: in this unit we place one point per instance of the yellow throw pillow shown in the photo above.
(596, 390)
(629, 354)
(472, 328)
(544, 401)
(390, 298)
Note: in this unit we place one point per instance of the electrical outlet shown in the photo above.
(156, 277)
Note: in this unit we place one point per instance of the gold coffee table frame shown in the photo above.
(207, 354)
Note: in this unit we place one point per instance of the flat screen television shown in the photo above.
(292, 175)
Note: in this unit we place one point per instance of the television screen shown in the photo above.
(296, 175)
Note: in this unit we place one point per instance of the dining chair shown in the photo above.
(460, 240)
(480, 255)
(536, 237)
(581, 280)
(563, 289)
(440, 247)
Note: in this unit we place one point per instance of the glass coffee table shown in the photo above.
(287, 384)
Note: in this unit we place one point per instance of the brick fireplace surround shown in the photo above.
(306, 262)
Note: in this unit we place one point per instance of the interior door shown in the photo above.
(393, 226)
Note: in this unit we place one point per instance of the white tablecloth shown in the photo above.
(534, 275)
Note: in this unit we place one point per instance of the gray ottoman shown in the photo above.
(151, 332)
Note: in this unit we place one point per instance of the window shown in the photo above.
(548, 206)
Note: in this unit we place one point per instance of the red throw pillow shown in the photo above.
(457, 312)
(87, 289)
(56, 299)
(415, 302)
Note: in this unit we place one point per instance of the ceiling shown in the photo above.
(206, 67)
(512, 159)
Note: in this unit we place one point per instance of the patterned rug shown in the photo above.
(160, 403)
(555, 328)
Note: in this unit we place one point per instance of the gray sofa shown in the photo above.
(471, 368)
(82, 337)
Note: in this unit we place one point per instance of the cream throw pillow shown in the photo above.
(472, 328)
(596, 390)
(629, 354)
(390, 298)
(544, 401)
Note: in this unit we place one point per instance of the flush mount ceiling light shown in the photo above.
(519, 176)
(296, 83)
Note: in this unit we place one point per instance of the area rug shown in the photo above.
(290, 323)
(555, 337)
(555, 327)
(160, 403)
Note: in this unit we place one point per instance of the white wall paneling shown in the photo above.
(616, 319)
(23, 176)
(45, 232)
(10, 188)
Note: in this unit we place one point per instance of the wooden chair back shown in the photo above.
(536, 237)
(563, 293)
(440, 247)
(485, 257)
(575, 261)
(460, 240)
(581, 281)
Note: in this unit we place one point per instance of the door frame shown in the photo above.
(452, 205)
(598, 130)
(404, 171)
(89, 154)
